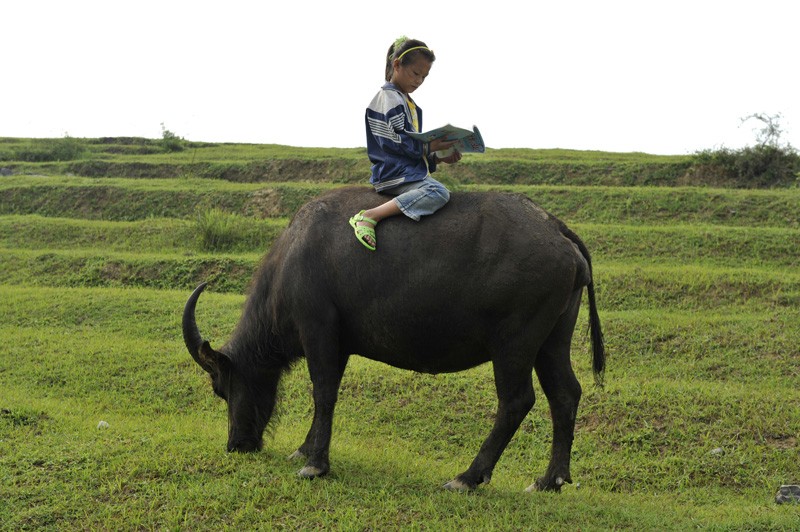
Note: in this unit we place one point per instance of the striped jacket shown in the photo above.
(396, 158)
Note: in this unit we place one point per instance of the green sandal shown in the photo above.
(363, 230)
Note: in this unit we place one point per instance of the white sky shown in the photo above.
(662, 77)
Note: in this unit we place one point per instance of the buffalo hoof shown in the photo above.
(244, 446)
(311, 472)
(543, 485)
(458, 485)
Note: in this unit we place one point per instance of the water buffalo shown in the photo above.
(489, 278)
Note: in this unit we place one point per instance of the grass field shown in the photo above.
(107, 423)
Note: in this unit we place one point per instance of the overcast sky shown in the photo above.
(662, 77)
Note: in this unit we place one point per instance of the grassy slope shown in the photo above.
(700, 317)
(643, 450)
(138, 158)
(134, 199)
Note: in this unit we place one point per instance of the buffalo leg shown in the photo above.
(326, 368)
(515, 399)
(563, 392)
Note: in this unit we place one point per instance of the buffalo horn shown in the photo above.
(191, 334)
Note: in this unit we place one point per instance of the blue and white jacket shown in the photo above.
(396, 158)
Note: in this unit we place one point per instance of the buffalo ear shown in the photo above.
(211, 360)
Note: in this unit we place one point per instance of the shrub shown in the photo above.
(767, 164)
(218, 230)
(764, 165)
(50, 150)
(170, 141)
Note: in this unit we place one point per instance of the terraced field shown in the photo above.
(698, 424)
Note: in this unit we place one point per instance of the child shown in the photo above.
(401, 165)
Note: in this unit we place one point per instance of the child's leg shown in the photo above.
(422, 198)
(385, 210)
(417, 199)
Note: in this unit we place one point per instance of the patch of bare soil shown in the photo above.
(264, 203)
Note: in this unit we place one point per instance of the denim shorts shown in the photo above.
(419, 198)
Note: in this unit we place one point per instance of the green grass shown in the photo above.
(643, 451)
(140, 149)
(134, 199)
(621, 286)
(697, 426)
(695, 243)
(145, 158)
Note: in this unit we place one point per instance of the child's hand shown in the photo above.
(452, 158)
(441, 144)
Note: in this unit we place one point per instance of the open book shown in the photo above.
(468, 141)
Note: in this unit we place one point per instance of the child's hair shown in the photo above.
(407, 50)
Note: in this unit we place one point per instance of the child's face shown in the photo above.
(409, 77)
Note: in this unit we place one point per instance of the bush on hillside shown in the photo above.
(170, 141)
(218, 231)
(50, 150)
(752, 166)
(767, 164)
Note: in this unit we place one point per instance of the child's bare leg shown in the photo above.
(390, 208)
(385, 210)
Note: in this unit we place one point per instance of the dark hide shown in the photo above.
(489, 278)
